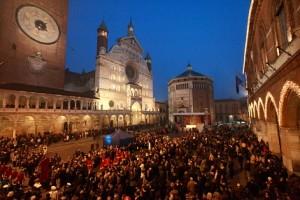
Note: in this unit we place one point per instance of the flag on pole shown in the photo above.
(238, 83)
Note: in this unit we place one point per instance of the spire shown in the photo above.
(148, 58)
(130, 28)
(148, 61)
(189, 67)
(103, 27)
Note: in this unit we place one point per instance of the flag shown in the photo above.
(238, 82)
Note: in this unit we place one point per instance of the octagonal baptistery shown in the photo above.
(190, 98)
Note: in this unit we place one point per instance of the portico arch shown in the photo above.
(120, 120)
(86, 122)
(105, 121)
(136, 113)
(289, 112)
(260, 110)
(6, 126)
(127, 120)
(60, 124)
(272, 125)
(113, 121)
(25, 125)
(255, 106)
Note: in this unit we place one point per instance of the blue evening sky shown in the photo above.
(210, 34)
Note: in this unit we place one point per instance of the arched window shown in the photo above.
(84, 105)
(282, 26)
(32, 102)
(58, 104)
(78, 105)
(50, 103)
(10, 103)
(65, 104)
(22, 102)
(42, 103)
(72, 105)
(262, 48)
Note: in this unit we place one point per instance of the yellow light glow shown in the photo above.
(287, 87)
(190, 126)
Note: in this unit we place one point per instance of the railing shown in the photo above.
(71, 111)
(45, 110)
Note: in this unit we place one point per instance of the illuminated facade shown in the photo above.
(272, 69)
(190, 99)
(123, 77)
(37, 93)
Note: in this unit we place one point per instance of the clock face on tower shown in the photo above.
(37, 24)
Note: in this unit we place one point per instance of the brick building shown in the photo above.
(227, 110)
(190, 99)
(162, 108)
(272, 69)
(38, 95)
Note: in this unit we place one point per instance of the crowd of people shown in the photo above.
(222, 163)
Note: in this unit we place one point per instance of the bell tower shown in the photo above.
(102, 37)
(149, 62)
(33, 42)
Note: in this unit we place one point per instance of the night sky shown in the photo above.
(208, 34)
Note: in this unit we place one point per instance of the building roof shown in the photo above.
(189, 72)
(39, 89)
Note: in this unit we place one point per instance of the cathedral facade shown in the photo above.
(123, 76)
(37, 93)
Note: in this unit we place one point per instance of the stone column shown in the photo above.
(261, 130)
(273, 137)
(37, 103)
(290, 142)
(16, 101)
(27, 102)
(81, 104)
(4, 102)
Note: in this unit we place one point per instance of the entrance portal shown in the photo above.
(136, 113)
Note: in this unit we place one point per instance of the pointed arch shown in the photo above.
(288, 87)
(252, 110)
(255, 106)
(260, 109)
(250, 107)
(269, 97)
